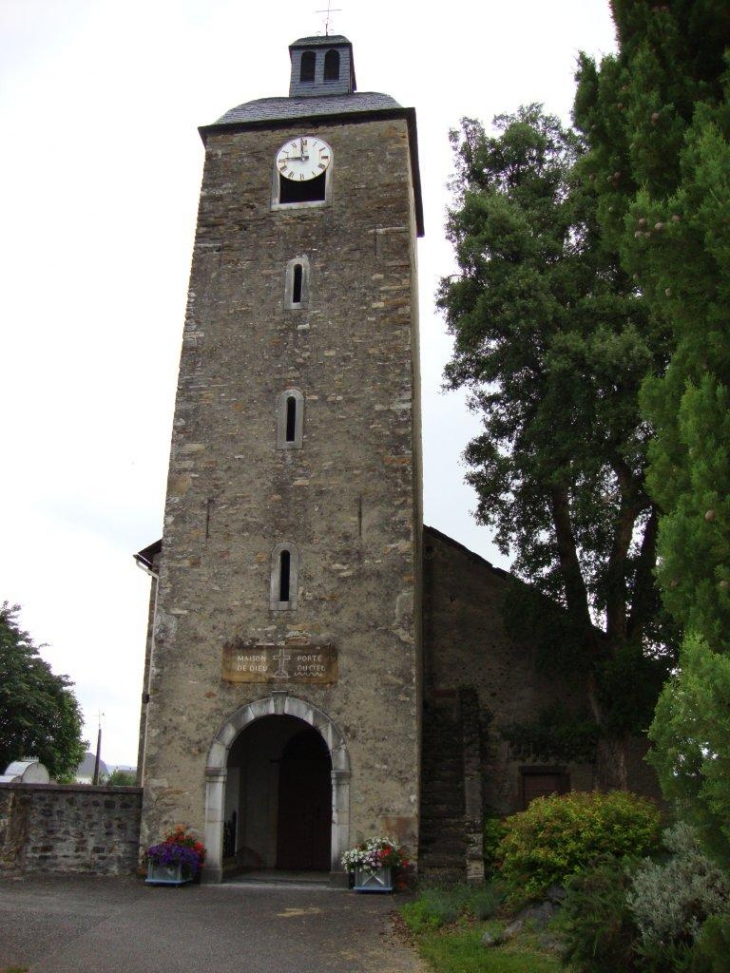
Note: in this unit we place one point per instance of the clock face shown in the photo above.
(304, 157)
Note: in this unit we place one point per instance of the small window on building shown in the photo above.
(541, 782)
(289, 419)
(296, 295)
(306, 70)
(284, 577)
(296, 287)
(332, 66)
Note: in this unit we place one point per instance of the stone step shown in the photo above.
(439, 821)
(451, 857)
(454, 836)
(444, 778)
(447, 850)
(449, 778)
(444, 873)
(446, 795)
(452, 803)
(437, 839)
(452, 854)
(442, 855)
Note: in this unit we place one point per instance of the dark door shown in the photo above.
(305, 804)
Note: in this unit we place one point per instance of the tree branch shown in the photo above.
(575, 589)
(616, 593)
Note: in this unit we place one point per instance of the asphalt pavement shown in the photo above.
(121, 925)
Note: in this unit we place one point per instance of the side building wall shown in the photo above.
(477, 681)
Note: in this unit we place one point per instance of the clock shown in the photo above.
(303, 158)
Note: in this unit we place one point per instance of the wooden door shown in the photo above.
(305, 804)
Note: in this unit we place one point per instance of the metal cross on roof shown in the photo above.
(329, 11)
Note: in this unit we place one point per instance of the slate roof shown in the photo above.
(270, 109)
(334, 40)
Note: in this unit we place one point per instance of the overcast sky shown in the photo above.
(100, 171)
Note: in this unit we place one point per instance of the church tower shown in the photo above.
(281, 714)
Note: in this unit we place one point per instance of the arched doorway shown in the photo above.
(278, 798)
(277, 782)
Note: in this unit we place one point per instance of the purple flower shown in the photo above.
(169, 854)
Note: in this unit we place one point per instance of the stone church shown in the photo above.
(320, 667)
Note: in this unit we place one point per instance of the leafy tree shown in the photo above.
(657, 117)
(39, 713)
(554, 342)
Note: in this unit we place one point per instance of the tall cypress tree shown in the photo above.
(657, 119)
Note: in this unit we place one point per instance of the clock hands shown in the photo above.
(303, 152)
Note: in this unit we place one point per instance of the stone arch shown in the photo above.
(277, 704)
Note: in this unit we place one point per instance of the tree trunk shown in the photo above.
(611, 760)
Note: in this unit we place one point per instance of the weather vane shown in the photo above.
(329, 11)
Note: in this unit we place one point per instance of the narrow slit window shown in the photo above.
(332, 66)
(297, 285)
(306, 70)
(291, 419)
(284, 575)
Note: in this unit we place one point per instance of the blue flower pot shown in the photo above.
(380, 880)
(158, 874)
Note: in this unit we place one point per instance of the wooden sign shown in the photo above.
(280, 663)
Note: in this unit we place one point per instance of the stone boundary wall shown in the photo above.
(74, 829)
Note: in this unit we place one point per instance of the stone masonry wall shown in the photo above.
(349, 498)
(466, 645)
(69, 830)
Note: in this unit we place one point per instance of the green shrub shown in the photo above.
(494, 831)
(596, 924)
(431, 910)
(482, 903)
(477, 901)
(712, 946)
(560, 836)
(438, 907)
(657, 957)
(670, 900)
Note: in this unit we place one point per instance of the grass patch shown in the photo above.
(461, 951)
(448, 925)
(436, 907)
